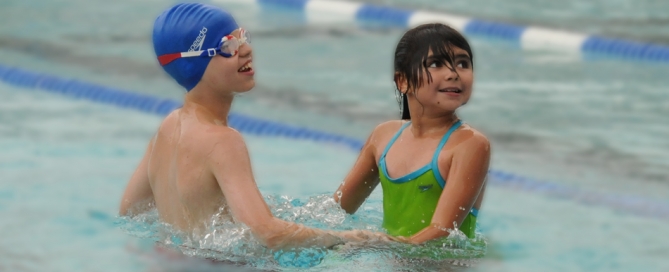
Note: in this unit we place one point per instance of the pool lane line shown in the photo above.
(526, 37)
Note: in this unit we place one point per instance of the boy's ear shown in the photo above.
(401, 83)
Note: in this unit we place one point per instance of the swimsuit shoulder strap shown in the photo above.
(397, 135)
(435, 158)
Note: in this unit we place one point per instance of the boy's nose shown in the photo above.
(245, 50)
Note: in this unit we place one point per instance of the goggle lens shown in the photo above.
(230, 44)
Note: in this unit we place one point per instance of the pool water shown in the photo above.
(597, 125)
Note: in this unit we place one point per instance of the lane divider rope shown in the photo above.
(527, 37)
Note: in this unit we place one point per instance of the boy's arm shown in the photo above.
(231, 165)
(138, 189)
(361, 180)
(465, 181)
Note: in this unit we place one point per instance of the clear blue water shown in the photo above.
(598, 125)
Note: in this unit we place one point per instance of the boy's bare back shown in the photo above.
(185, 189)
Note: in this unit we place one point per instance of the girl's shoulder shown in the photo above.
(388, 128)
(476, 134)
(383, 132)
(471, 138)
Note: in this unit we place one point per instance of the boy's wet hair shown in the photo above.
(412, 52)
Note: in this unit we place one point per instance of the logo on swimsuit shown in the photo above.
(424, 188)
(197, 44)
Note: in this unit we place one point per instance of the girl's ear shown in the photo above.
(401, 83)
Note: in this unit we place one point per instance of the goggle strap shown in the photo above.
(192, 54)
(211, 52)
(167, 58)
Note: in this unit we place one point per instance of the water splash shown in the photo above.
(228, 241)
(317, 211)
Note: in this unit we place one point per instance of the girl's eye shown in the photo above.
(434, 65)
(463, 64)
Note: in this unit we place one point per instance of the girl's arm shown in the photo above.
(465, 181)
(361, 180)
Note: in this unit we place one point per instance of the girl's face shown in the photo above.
(450, 87)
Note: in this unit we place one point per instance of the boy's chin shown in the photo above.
(246, 87)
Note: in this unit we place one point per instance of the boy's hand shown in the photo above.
(366, 236)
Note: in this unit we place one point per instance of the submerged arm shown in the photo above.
(138, 189)
(466, 180)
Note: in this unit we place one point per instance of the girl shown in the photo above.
(431, 166)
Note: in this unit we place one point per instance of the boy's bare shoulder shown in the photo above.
(202, 137)
(221, 135)
(202, 133)
(217, 145)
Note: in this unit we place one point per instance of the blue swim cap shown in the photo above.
(190, 27)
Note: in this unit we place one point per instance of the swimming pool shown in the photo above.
(595, 125)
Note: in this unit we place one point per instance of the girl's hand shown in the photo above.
(400, 239)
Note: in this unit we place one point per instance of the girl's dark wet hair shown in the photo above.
(411, 55)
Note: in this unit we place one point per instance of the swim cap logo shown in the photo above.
(197, 44)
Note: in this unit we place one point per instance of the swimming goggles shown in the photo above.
(227, 47)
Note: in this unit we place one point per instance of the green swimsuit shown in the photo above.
(410, 201)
